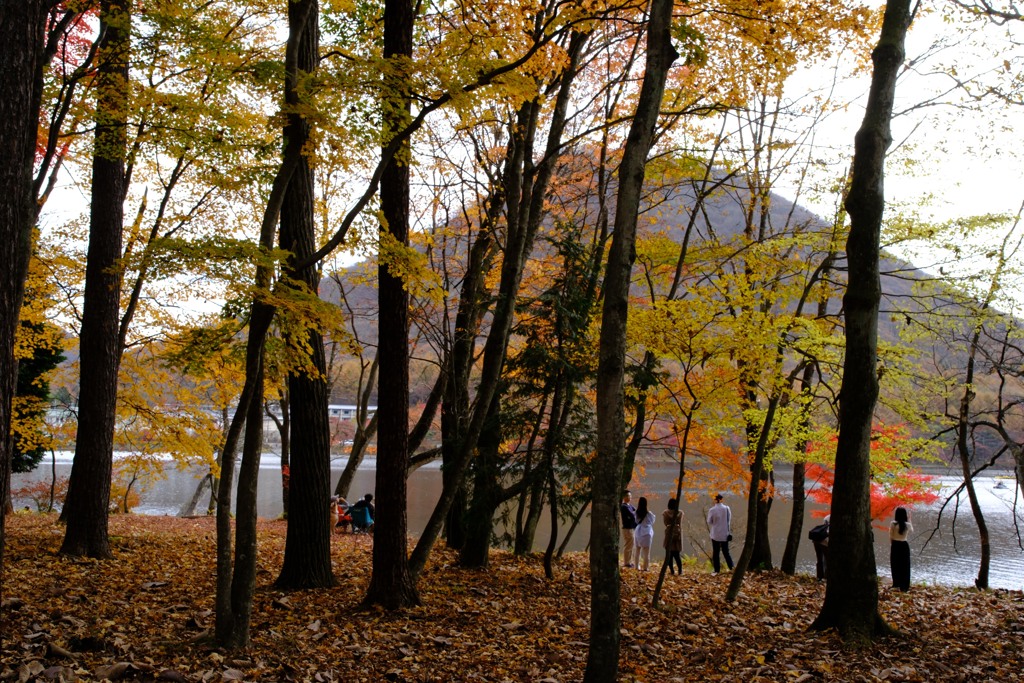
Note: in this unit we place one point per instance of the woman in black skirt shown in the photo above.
(899, 553)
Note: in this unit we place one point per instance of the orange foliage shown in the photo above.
(39, 493)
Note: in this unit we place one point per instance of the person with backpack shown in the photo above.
(819, 537)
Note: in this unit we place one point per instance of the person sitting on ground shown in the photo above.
(340, 518)
(362, 513)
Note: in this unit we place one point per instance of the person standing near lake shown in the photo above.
(720, 528)
(899, 549)
(819, 537)
(628, 513)
(643, 535)
(673, 543)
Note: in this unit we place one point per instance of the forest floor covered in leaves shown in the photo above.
(147, 615)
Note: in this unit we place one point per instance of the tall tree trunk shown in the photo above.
(603, 653)
(851, 594)
(391, 584)
(307, 553)
(88, 497)
(22, 42)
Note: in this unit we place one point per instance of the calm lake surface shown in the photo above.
(945, 551)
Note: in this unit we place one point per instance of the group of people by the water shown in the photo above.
(638, 537)
(638, 533)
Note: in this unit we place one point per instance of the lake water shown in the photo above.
(942, 554)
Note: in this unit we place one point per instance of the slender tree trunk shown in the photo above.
(88, 497)
(753, 504)
(761, 560)
(286, 453)
(23, 36)
(243, 584)
(236, 570)
(796, 520)
(536, 497)
(355, 456)
(391, 584)
(487, 493)
(307, 553)
(455, 411)
(189, 508)
(684, 441)
(572, 527)
(965, 463)
(211, 505)
(236, 582)
(365, 429)
(603, 653)
(1018, 465)
(851, 594)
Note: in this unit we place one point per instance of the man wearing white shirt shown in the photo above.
(720, 526)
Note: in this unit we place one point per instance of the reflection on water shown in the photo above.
(943, 553)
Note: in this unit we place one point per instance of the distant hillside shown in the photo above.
(721, 218)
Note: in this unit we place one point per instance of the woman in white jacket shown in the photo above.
(643, 535)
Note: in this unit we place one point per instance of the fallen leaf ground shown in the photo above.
(141, 616)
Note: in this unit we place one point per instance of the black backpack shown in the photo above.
(818, 533)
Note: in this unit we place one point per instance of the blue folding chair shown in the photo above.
(361, 520)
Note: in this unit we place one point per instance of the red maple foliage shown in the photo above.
(894, 483)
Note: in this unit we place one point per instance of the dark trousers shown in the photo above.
(723, 548)
(820, 553)
(899, 561)
(674, 559)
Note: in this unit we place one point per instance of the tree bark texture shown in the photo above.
(391, 583)
(851, 595)
(22, 34)
(603, 654)
(89, 487)
(307, 555)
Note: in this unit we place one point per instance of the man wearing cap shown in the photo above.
(720, 526)
(628, 526)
